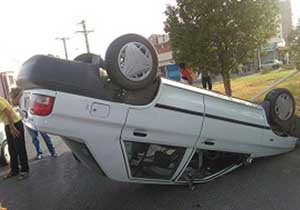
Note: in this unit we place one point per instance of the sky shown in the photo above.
(30, 27)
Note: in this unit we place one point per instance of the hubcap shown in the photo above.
(135, 61)
(6, 154)
(284, 107)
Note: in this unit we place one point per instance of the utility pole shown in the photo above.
(85, 33)
(64, 39)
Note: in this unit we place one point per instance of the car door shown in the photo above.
(159, 138)
(231, 125)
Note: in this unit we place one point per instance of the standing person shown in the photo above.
(15, 139)
(185, 74)
(16, 95)
(35, 140)
(206, 80)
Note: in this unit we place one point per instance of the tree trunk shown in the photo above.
(227, 83)
(258, 59)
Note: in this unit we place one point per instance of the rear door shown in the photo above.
(231, 125)
(158, 139)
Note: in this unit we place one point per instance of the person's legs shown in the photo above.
(49, 143)
(209, 83)
(203, 82)
(22, 148)
(35, 140)
(12, 149)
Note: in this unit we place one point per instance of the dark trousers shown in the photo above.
(17, 149)
(206, 81)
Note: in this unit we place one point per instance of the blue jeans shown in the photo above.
(36, 142)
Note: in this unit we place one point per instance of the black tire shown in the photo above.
(88, 58)
(119, 46)
(275, 117)
(4, 161)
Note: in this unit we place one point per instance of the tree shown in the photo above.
(218, 35)
(294, 44)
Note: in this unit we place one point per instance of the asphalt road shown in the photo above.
(63, 184)
(59, 145)
(31, 151)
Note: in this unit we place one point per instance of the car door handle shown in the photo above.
(140, 133)
(209, 142)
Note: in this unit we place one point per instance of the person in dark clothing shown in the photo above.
(206, 80)
(15, 139)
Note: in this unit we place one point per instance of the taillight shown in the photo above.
(41, 105)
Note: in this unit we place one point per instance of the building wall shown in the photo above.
(158, 39)
(284, 28)
(165, 58)
(286, 17)
(162, 45)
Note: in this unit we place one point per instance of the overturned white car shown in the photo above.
(132, 126)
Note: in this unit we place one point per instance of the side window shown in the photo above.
(152, 160)
(208, 164)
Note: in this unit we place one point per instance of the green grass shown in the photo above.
(249, 86)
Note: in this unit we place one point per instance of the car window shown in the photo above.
(152, 160)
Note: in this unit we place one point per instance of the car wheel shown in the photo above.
(91, 59)
(132, 62)
(282, 106)
(5, 157)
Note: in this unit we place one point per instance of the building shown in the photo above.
(7, 81)
(276, 49)
(162, 45)
(286, 18)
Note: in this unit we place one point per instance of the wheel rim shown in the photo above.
(6, 154)
(135, 61)
(284, 107)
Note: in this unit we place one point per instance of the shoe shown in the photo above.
(23, 175)
(54, 154)
(10, 175)
(39, 157)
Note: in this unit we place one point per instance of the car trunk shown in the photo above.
(45, 72)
